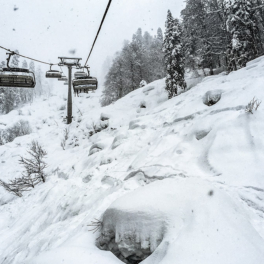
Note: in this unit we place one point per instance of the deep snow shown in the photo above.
(178, 177)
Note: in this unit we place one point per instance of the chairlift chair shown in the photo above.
(85, 83)
(63, 78)
(16, 77)
(53, 74)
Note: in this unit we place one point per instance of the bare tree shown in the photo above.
(34, 166)
(33, 174)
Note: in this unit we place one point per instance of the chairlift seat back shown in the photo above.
(79, 74)
(53, 74)
(87, 83)
(9, 78)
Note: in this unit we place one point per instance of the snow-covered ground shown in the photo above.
(175, 177)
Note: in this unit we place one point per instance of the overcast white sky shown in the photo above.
(46, 29)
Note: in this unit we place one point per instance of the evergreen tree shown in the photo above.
(15, 60)
(160, 35)
(245, 36)
(32, 66)
(24, 64)
(174, 58)
(140, 59)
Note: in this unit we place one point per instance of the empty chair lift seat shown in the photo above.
(17, 78)
(85, 84)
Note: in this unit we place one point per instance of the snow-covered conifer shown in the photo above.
(174, 58)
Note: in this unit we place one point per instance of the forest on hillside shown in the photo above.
(210, 34)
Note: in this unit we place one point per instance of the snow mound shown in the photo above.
(177, 212)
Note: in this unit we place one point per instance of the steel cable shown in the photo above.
(106, 11)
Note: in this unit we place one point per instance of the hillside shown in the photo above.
(181, 178)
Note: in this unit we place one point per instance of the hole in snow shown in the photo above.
(212, 97)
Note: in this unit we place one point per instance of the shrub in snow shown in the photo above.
(252, 105)
(143, 83)
(65, 138)
(212, 97)
(35, 165)
(99, 126)
(33, 174)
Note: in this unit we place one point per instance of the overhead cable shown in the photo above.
(107, 8)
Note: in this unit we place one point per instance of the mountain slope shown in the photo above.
(176, 176)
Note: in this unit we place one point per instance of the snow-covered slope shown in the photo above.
(175, 177)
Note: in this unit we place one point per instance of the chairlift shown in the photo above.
(85, 83)
(16, 77)
(63, 78)
(53, 74)
(80, 74)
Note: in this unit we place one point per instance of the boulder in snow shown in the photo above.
(212, 97)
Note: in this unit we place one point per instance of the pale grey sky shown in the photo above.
(46, 29)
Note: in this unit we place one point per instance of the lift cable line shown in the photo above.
(107, 8)
(14, 53)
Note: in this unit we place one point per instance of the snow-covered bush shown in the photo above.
(21, 128)
(143, 83)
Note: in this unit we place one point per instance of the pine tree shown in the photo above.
(140, 59)
(160, 35)
(15, 60)
(24, 64)
(32, 66)
(174, 59)
(245, 36)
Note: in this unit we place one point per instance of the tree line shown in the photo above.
(141, 59)
(212, 34)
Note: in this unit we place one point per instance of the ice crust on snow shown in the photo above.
(207, 194)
